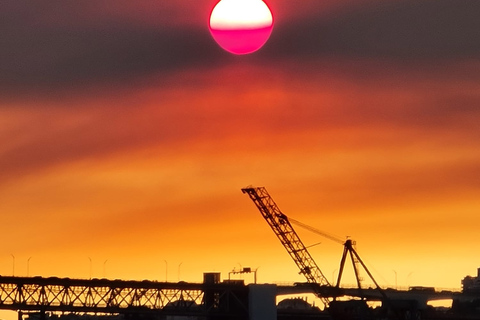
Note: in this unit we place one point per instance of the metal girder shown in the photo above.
(116, 296)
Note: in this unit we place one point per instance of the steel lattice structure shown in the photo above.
(118, 296)
(288, 237)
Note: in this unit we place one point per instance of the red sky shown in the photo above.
(126, 135)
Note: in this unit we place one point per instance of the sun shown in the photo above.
(241, 26)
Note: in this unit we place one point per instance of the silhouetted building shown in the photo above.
(471, 284)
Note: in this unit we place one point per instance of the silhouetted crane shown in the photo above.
(283, 229)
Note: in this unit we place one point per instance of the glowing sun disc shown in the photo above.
(241, 26)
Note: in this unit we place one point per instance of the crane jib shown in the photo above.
(284, 231)
(281, 226)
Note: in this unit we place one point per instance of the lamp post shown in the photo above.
(395, 279)
(104, 267)
(408, 279)
(28, 266)
(179, 270)
(90, 267)
(13, 264)
(166, 270)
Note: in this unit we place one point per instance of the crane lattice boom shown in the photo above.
(287, 236)
(282, 228)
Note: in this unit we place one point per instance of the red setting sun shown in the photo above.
(241, 26)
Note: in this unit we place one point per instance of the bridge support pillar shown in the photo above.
(262, 301)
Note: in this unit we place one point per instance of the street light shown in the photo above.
(104, 264)
(90, 267)
(395, 278)
(166, 270)
(13, 265)
(408, 279)
(28, 266)
(179, 270)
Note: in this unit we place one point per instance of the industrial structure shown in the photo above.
(40, 298)
(211, 299)
(471, 284)
(395, 304)
(281, 226)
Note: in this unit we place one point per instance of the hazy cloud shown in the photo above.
(52, 45)
(62, 58)
(402, 30)
(64, 44)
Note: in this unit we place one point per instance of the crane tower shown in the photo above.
(288, 237)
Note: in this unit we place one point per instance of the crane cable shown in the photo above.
(319, 232)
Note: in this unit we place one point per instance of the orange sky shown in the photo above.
(141, 168)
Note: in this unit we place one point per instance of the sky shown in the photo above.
(127, 133)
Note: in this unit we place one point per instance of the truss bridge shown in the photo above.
(210, 299)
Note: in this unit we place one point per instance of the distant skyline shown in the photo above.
(126, 134)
